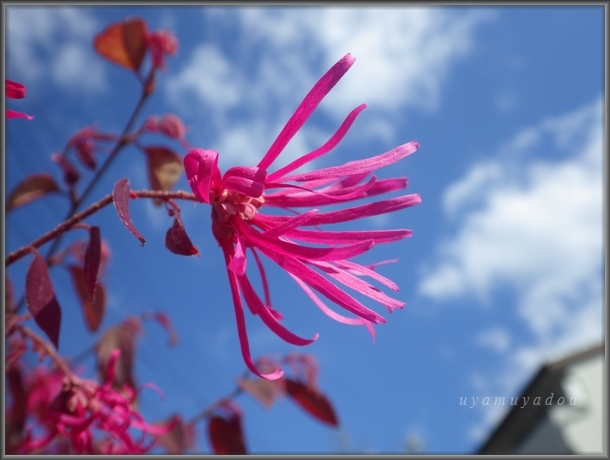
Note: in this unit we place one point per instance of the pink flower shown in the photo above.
(238, 197)
(160, 44)
(83, 407)
(43, 386)
(169, 125)
(15, 90)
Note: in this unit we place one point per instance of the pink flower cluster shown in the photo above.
(160, 44)
(169, 125)
(238, 197)
(72, 409)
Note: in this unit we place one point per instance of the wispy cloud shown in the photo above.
(247, 93)
(526, 221)
(497, 338)
(58, 39)
(531, 221)
(209, 76)
(405, 53)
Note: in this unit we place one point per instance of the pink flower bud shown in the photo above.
(160, 44)
(171, 126)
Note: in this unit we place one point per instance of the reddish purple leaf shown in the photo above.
(94, 314)
(32, 187)
(9, 300)
(16, 415)
(178, 242)
(40, 298)
(179, 439)
(226, 435)
(77, 250)
(122, 337)
(71, 174)
(93, 310)
(312, 401)
(121, 196)
(164, 167)
(84, 152)
(93, 257)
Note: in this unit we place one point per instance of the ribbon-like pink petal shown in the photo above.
(306, 107)
(201, 168)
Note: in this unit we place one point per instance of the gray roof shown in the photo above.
(520, 421)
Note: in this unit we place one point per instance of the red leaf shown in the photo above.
(93, 310)
(179, 439)
(29, 189)
(9, 300)
(121, 337)
(84, 152)
(120, 196)
(135, 40)
(164, 168)
(123, 43)
(312, 401)
(226, 436)
(93, 257)
(95, 313)
(71, 174)
(178, 242)
(40, 298)
(16, 416)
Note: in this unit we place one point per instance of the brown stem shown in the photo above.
(47, 347)
(207, 412)
(68, 224)
(123, 141)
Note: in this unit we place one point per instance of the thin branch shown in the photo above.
(123, 141)
(70, 223)
(208, 411)
(48, 349)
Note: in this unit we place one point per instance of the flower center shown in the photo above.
(227, 204)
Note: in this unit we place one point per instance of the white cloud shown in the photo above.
(209, 76)
(533, 226)
(403, 57)
(536, 226)
(497, 338)
(55, 38)
(69, 66)
(403, 54)
(472, 189)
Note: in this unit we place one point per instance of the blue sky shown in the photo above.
(505, 266)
